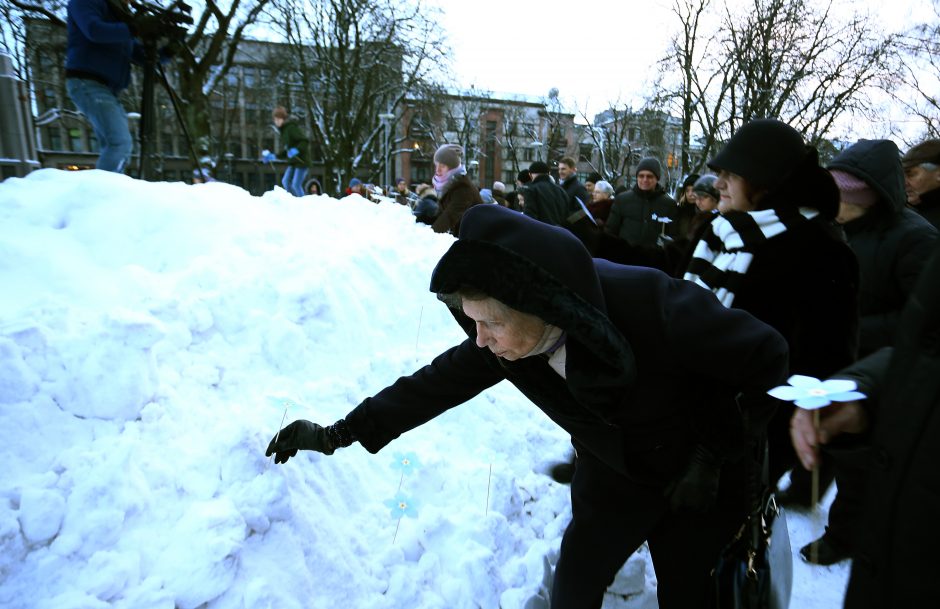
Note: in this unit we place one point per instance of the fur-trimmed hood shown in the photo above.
(545, 271)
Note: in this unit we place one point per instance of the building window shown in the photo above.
(54, 138)
(75, 140)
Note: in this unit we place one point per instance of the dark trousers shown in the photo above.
(612, 516)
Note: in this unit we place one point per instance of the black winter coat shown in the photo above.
(892, 243)
(631, 215)
(929, 207)
(546, 201)
(574, 188)
(653, 363)
(897, 558)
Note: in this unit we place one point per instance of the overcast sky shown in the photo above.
(593, 51)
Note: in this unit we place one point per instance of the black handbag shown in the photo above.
(755, 570)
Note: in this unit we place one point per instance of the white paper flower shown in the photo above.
(811, 393)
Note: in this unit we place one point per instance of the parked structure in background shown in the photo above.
(17, 140)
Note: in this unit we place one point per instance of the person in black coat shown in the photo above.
(639, 216)
(569, 182)
(776, 253)
(649, 374)
(922, 179)
(544, 200)
(897, 560)
(892, 244)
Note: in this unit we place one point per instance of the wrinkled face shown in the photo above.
(508, 333)
(646, 180)
(599, 195)
(705, 202)
(919, 180)
(564, 171)
(735, 194)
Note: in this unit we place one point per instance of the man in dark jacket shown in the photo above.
(639, 215)
(892, 244)
(98, 59)
(569, 182)
(544, 200)
(922, 179)
(896, 560)
(647, 373)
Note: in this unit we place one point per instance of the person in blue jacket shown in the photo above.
(98, 59)
(662, 389)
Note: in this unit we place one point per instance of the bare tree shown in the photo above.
(918, 82)
(355, 60)
(610, 135)
(787, 59)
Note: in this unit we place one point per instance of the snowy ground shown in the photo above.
(150, 335)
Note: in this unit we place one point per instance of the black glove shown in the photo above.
(304, 435)
(696, 490)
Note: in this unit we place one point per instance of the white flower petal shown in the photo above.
(839, 385)
(787, 393)
(807, 382)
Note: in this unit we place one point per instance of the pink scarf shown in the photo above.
(441, 181)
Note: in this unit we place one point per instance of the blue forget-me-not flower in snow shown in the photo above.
(406, 462)
(811, 393)
(401, 505)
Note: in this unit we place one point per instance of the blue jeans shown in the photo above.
(108, 118)
(293, 180)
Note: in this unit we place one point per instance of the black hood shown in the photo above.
(545, 271)
(878, 163)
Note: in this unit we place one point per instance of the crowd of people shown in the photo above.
(651, 328)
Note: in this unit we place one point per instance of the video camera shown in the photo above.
(152, 23)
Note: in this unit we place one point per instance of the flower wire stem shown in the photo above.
(489, 480)
(402, 479)
(395, 536)
(280, 427)
(814, 493)
(418, 333)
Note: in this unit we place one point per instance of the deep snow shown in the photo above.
(150, 334)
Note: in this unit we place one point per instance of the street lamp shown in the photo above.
(537, 145)
(386, 119)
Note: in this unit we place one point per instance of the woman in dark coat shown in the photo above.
(776, 253)
(896, 564)
(456, 193)
(647, 373)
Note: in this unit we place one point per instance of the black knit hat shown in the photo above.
(594, 178)
(689, 180)
(706, 186)
(764, 152)
(652, 165)
(539, 167)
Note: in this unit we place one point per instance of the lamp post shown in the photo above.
(386, 119)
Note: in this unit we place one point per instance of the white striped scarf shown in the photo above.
(724, 253)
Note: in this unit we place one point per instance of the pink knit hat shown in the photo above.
(854, 190)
